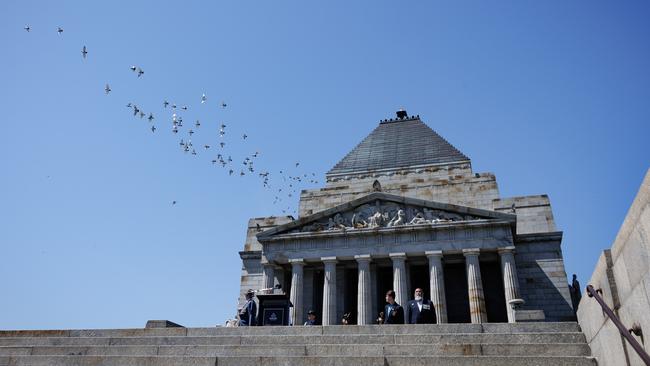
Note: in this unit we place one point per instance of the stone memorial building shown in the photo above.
(402, 210)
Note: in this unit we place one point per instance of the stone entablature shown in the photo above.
(381, 223)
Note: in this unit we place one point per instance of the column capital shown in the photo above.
(433, 253)
(328, 259)
(363, 258)
(297, 262)
(471, 252)
(506, 250)
(397, 256)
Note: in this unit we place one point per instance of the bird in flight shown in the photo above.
(150, 118)
(244, 136)
(84, 52)
(165, 104)
(153, 128)
(59, 30)
(203, 98)
(27, 28)
(197, 124)
(107, 90)
(140, 72)
(223, 105)
(133, 68)
(173, 202)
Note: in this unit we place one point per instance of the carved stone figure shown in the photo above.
(418, 219)
(398, 220)
(376, 220)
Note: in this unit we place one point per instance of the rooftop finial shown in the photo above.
(401, 114)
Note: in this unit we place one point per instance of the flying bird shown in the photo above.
(59, 30)
(173, 202)
(244, 136)
(153, 128)
(197, 124)
(223, 105)
(203, 98)
(165, 104)
(107, 90)
(140, 72)
(27, 28)
(184, 108)
(84, 52)
(150, 118)
(133, 68)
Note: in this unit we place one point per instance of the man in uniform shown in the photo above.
(248, 314)
(393, 312)
(421, 311)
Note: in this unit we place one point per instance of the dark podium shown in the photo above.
(273, 309)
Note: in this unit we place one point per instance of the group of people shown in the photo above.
(418, 311)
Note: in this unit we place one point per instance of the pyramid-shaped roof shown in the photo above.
(398, 144)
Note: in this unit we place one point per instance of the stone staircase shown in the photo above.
(527, 344)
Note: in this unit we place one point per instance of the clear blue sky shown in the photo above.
(552, 97)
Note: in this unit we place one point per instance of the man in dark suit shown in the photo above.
(421, 311)
(248, 314)
(393, 312)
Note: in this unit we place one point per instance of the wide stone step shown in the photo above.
(291, 361)
(461, 338)
(565, 349)
(550, 327)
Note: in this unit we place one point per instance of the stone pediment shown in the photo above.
(382, 210)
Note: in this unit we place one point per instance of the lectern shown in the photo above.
(273, 309)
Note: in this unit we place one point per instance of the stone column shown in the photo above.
(399, 280)
(329, 291)
(510, 280)
(475, 286)
(268, 278)
(437, 284)
(364, 300)
(296, 290)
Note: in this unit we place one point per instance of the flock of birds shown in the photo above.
(285, 185)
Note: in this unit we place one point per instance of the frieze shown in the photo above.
(383, 214)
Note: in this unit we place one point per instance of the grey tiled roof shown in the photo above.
(396, 145)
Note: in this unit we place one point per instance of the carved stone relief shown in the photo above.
(381, 214)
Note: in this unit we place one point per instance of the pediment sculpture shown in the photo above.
(384, 214)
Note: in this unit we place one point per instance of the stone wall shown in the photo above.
(623, 274)
(458, 186)
(251, 275)
(541, 274)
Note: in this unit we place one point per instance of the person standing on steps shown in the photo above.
(393, 312)
(421, 311)
(248, 314)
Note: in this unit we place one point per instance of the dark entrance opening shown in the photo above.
(384, 283)
(456, 293)
(495, 301)
(419, 278)
(317, 296)
(350, 291)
